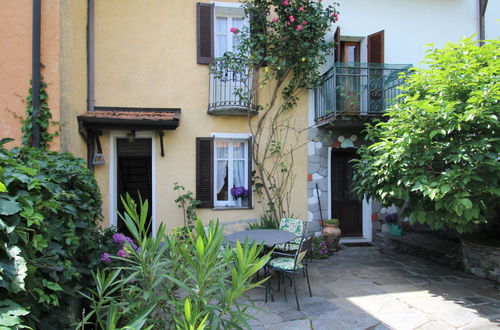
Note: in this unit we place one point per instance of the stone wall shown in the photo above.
(482, 260)
(319, 142)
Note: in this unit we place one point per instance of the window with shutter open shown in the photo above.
(205, 32)
(224, 172)
(376, 47)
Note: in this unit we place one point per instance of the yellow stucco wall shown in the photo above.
(146, 57)
(73, 74)
(15, 63)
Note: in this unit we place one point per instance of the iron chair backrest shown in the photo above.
(304, 247)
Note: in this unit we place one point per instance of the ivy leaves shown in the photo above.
(438, 150)
(43, 119)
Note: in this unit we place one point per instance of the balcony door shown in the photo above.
(225, 86)
(348, 84)
(345, 205)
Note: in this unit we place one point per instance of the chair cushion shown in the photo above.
(295, 226)
(287, 246)
(284, 263)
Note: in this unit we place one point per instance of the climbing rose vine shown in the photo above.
(286, 44)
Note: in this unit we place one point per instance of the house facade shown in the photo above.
(133, 95)
(130, 88)
(375, 41)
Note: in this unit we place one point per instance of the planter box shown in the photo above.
(395, 230)
(482, 260)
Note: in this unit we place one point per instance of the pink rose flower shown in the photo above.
(301, 9)
(288, 23)
(304, 23)
(275, 19)
(234, 30)
(335, 16)
(292, 19)
(299, 28)
(285, 3)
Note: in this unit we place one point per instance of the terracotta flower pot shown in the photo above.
(332, 234)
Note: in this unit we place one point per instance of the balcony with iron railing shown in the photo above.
(355, 92)
(231, 91)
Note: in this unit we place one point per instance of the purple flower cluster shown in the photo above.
(239, 192)
(323, 248)
(124, 243)
(391, 218)
(122, 240)
(105, 258)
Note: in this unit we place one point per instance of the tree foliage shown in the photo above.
(438, 151)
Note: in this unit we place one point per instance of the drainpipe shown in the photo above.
(482, 12)
(35, 73)
(90, 57)
(90, 81)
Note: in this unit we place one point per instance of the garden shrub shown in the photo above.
(437, 152)
(164, 282)
(50, 206)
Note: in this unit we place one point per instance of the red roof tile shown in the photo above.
(135, 115)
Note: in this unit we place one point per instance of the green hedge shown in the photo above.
(50, 206)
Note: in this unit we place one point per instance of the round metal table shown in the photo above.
(269, 237)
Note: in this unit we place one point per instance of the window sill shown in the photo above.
(226, 208)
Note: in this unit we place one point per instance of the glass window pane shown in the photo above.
(221, 148)
(239, 173)
(221, 25)
(237, 23)
(239, 150)
(220, 45)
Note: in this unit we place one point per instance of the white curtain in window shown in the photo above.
(239, 164)
(222, 156)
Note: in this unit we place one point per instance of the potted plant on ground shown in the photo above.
(332, 232)
(393, 221)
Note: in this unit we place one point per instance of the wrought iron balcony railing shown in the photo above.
(358, 89)
(231, 90)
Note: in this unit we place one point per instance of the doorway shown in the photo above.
(133, 175)
(345, 205)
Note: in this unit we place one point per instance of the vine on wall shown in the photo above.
(286, 43)
(43, 119)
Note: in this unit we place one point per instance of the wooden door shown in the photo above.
(346, 206)
(134, 169)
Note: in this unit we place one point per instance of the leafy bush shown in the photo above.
(50, 206)
(167, 281)
(438, 152)
(265, 222)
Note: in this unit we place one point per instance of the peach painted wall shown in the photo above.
(15, 63)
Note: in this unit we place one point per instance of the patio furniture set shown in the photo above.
(290, 245)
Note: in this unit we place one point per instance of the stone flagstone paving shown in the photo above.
(368, 288)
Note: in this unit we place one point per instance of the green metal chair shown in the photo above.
(291, 264)
(296, 226)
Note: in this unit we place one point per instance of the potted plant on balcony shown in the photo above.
(332, 232)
